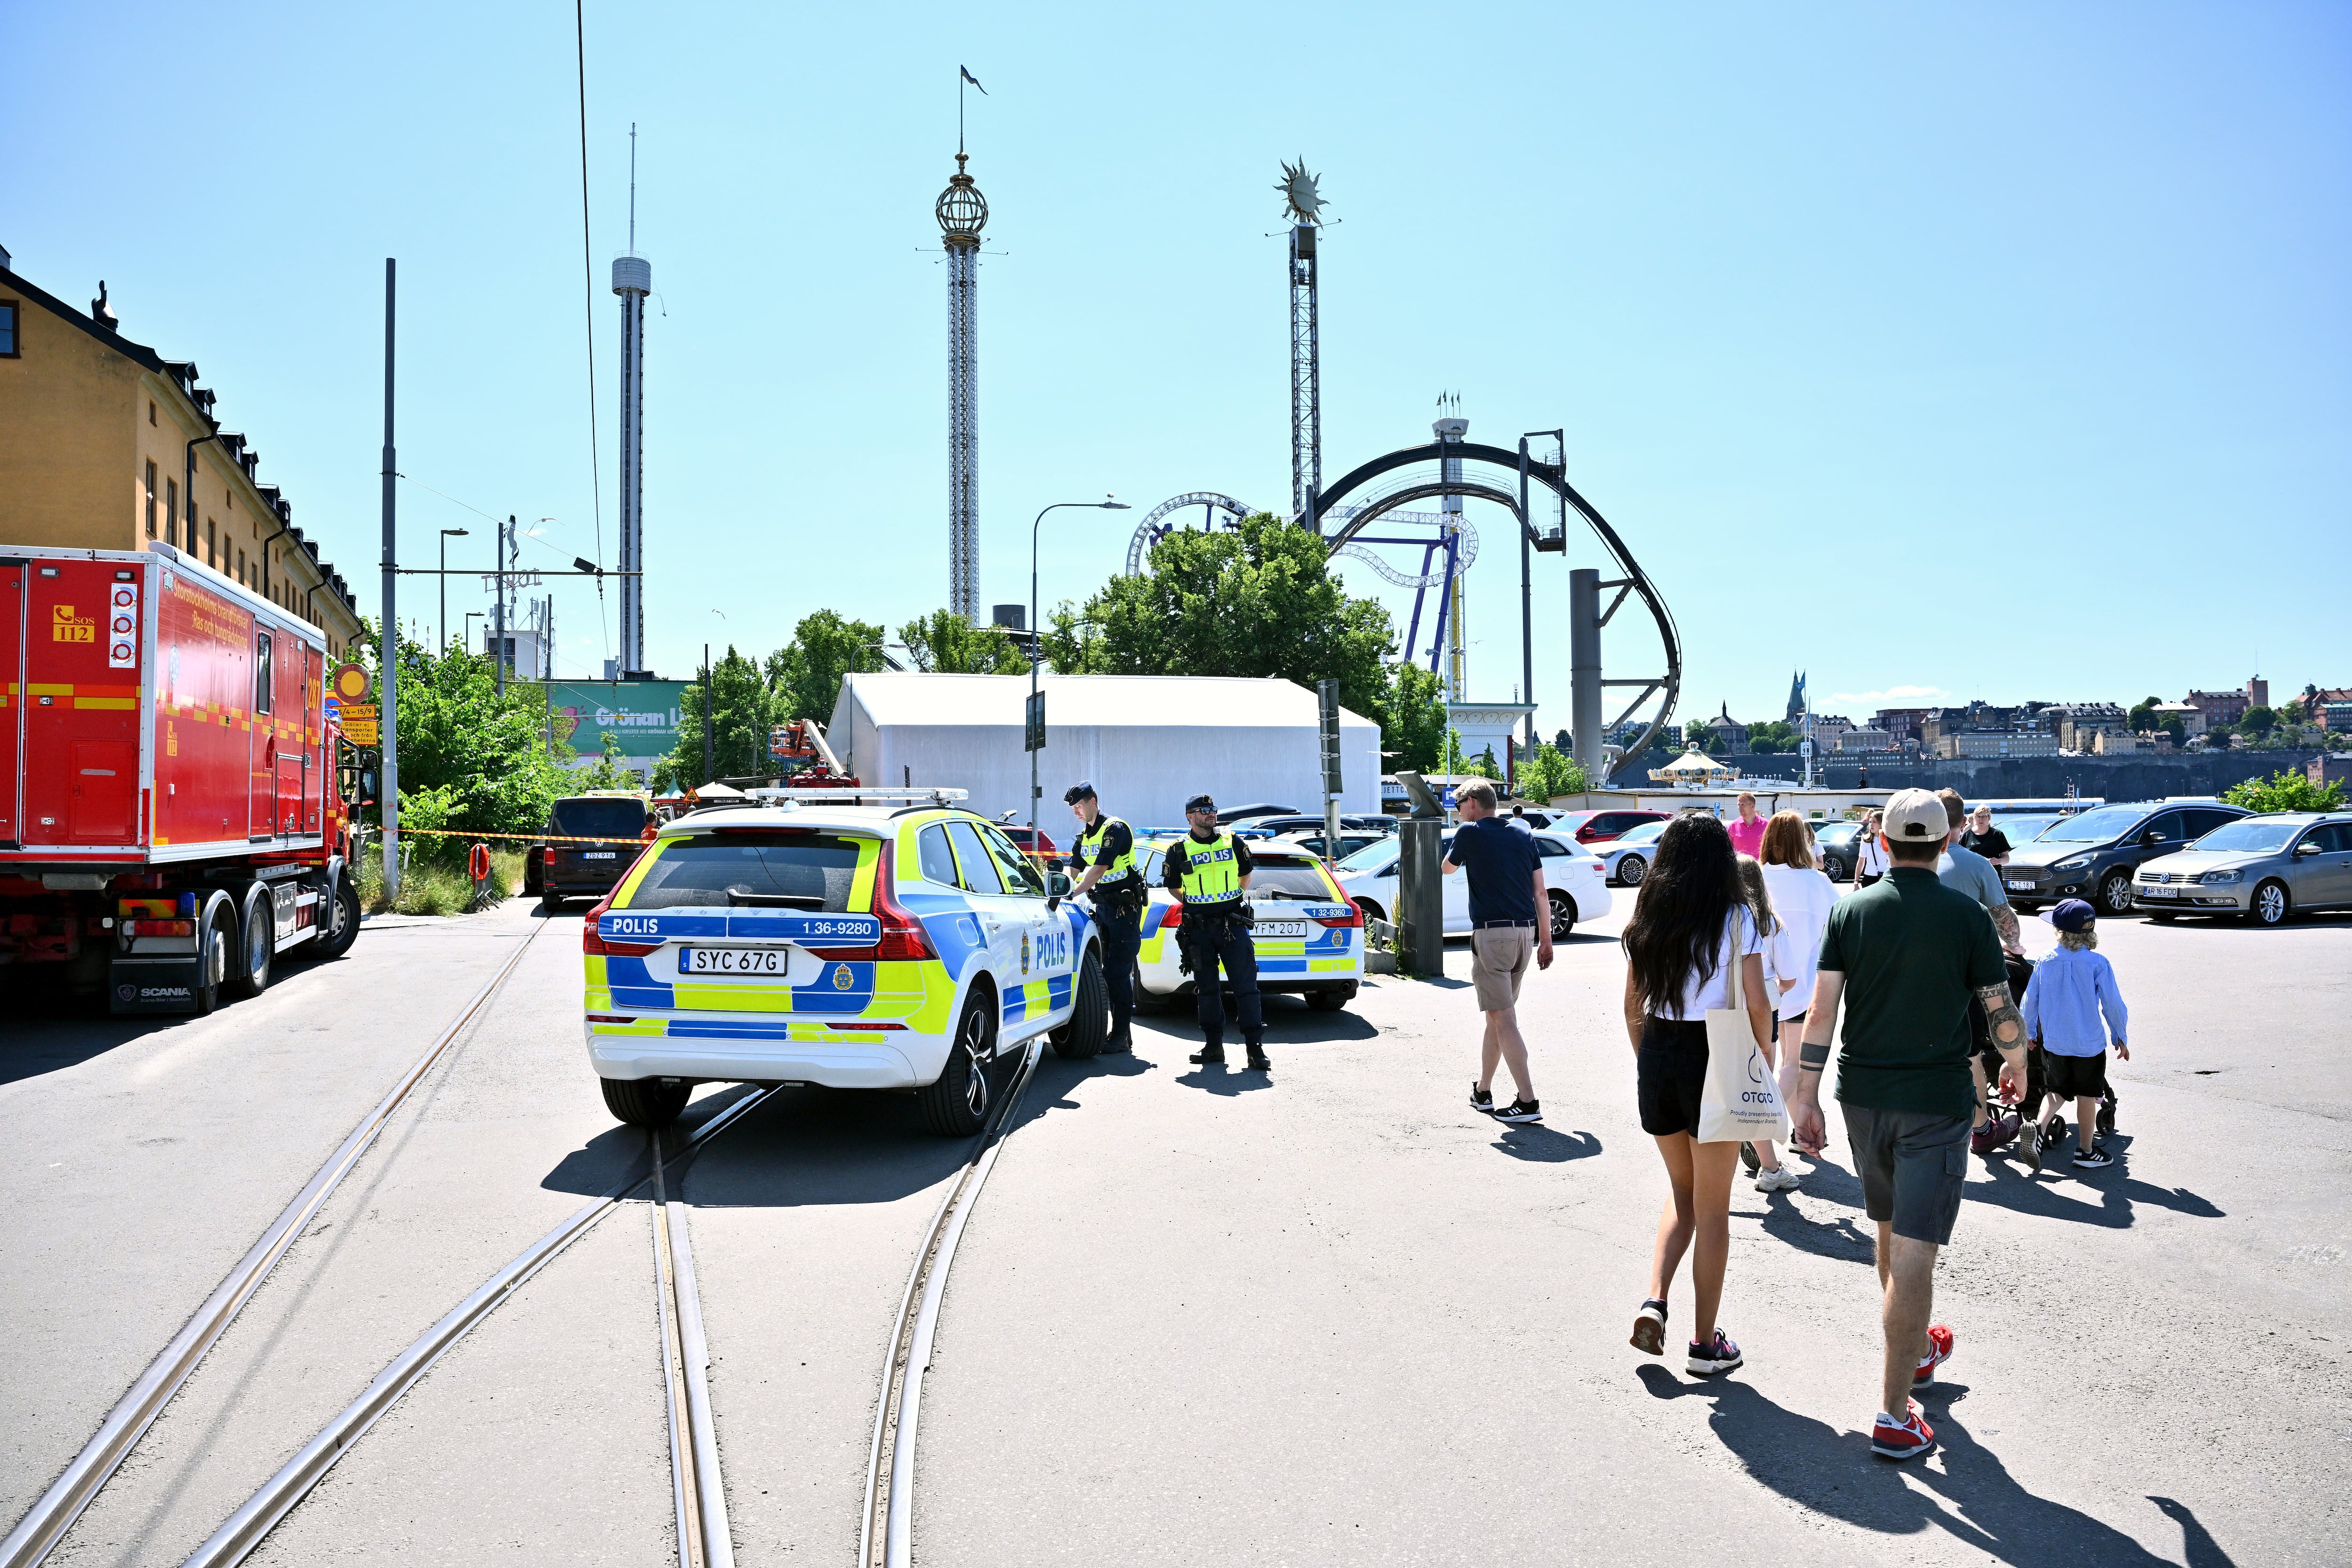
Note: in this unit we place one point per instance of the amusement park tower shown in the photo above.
(962, 213)
(633, 279)
(1304, 208)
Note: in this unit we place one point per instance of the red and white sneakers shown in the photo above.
(1940, 1338)
(1904, 1439)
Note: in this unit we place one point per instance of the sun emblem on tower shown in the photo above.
(1298, 188)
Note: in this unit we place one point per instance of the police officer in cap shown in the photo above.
(1208, 869)
(1102, 861)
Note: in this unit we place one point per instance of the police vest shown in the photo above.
(1212, 871)
(1121, 870)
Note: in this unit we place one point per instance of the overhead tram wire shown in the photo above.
(588, 309)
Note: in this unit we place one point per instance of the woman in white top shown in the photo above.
(1691, 945)
(1870, 860)
(1801, 899)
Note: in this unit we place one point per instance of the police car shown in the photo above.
(856, 947)
(1310, 939)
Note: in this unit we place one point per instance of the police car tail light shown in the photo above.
(1352, 920)
(903, 937)
(1173, 918)
(592, 942)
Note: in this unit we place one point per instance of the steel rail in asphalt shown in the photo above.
(891, 1508)
(245, 1529)
(698, 1489)
(38, 1532)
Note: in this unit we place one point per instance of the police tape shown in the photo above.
(525, 837)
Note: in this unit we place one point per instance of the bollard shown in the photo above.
(1420, 897)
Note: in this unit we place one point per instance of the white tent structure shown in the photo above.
(1147, 743)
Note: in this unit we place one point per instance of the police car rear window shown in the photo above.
(789, 871)
(1290, 879)
(599, 818)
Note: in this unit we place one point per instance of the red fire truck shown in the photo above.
(170, 820)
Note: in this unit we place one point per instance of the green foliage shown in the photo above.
(946, 643)
(2176, 730)
(1770, 739)
(1449, 760)
(807, 672)
(1413, 721)
(1485, 766)
(2143, 715)
(2258, 721)
(2285, 790)
(1549, 773)
(469, 756)
(606, 772)
(745, 704)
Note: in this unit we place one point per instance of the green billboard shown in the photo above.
(641, 716)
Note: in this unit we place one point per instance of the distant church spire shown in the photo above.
(1796, 697)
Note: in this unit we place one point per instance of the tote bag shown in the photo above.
(1739, 1102)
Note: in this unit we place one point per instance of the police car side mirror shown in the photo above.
(1057, 883)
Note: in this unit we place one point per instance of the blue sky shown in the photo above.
(1997, 354)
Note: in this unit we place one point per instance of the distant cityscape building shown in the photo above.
(2223, 708)
(2332, 710)
(1998, 744)
(1850, 742)
(1796, 698)
(1730, 731)
(2077, 723)
(1903, 724)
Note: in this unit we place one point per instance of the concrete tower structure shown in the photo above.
(962, 213)
(1304, 208)
(633, 279)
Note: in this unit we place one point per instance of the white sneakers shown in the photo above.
(1783, 1180)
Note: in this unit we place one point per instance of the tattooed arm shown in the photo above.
(2008, 1033)
(2004, 920)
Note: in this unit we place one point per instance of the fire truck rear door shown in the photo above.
(12, 697)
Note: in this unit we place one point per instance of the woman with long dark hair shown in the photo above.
(1691, 946)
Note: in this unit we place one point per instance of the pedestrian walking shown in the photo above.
(1985, 838)
(1904, 957)
(1870, 860)
(2074, 1011)
(1208, 869)
(1102, 859)
(1691, 945)
(1747, 828)
(1510, 922)
(1801, 899)
(1964, 870)
(1780, 958)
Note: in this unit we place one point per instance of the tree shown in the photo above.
(745, 704)
(2259, 720)
(2173, 727)
(946, 643)
(1483, 765)
(1550, 775)
(808, 670)
(2142, 717)
(606, 772)
(1777, 735)
(1413, 721)
(1564, 741)
(2285, 790)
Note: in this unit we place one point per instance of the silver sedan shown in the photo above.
(1625, 859)
(2262, 868)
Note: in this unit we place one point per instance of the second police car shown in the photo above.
(853, 947)
(1308, 938)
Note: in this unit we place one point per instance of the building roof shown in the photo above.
(1106, 700)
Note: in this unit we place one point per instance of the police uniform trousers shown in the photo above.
(1209, 941)
(1119, 917)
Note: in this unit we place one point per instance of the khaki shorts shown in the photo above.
(1499, 961)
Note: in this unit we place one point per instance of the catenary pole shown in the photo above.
(388, 786)
(709, 762)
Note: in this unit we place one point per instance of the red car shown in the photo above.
(1601, 826)
(1036, 841)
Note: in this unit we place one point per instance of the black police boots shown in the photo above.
(1120, 1042)
(1211, 1055)
(1257, 1058)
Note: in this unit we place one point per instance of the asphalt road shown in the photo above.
(1198, 1316)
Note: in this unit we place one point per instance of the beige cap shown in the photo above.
(1915, 816)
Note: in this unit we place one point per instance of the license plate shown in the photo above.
(1281, 928)
(2015, 886)
(774, 961)
(2159, 892)
(601, 854)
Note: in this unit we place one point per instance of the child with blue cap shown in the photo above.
(2072, 1010)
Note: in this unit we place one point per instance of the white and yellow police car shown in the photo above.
(854, 947)
(1308, 937)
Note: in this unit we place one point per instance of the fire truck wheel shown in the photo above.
(213, 949)
(342, 915)
(256, 948)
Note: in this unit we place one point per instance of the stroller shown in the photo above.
(1999, 1128)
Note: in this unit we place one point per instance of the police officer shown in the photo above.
(1102, 861)
(1208, 869)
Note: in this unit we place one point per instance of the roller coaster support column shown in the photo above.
(1584, 674)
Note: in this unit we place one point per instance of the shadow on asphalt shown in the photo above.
(1544, 1145)
(620, 1153)
(1964, 1489)
(2107, 1198)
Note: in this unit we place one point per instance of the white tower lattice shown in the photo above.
(962, 213)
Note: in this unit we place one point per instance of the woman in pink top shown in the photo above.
(1748, 832)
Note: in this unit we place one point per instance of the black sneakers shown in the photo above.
(1482, 1099)
(1520, 1111)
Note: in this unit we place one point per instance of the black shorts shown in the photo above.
(2075, 1078)
(1671, 1071)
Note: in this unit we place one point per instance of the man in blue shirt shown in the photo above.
(1509, 920)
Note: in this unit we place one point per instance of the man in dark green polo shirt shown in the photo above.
(1907, 956)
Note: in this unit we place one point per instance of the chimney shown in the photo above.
(97, 310)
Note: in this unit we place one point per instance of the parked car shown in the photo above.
(1301, 822)
(1312, 843)
(1233, 813)
(2262, 868)
(2024, 827)
(1572, 878)
(1309, 940)
(1838, 846)
(592, 840)
(2093, 856)
(1601, 826)
(1625, 859)
(1033, 842)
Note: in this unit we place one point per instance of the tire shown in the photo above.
(1631, 871)
(2163, 917)
(957, 1105)
(1371, 911)
(534, 873)
(1089, 1024)
(213, 951)
(2271, 904)
(2114, 892)
(1834, 869)
(1146, 1000)
(1332, 999)
(343, 912)
(1563, 915)
(256, 951)
(550, 904)
(645, 1101)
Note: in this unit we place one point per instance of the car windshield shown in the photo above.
(2023, 829)
(1641, 835)
(758, 870)
(1836, 832)
(2249, 838)
(1370, 856)
(610, 818)
(2093, 827)
(1288, 877)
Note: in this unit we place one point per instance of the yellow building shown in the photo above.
(104, 445)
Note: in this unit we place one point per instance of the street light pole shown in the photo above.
(1036, 649)
(442, 628)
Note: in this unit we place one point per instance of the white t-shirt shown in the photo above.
(1802, 902)
(1721, 988)
(1870, 862)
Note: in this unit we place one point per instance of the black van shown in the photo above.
(558, 869)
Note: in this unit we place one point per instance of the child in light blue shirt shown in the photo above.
(2072, 1010)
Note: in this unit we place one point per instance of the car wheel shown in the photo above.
(534, 873)
(551, 901)
(1630, 871)
(645, 1101)
(2270, 906)
(1371, 911)
(342, 917)
(1089, 1024)
(2163, 917)
(257, 945)
(2114, 892)
(1332, 999)
(213, 951)
(1834, 869)
(956, 1105)
(1146, 1000)
(1563, 915)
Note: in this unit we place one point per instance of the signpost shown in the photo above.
(1327, 704)
(361, 723)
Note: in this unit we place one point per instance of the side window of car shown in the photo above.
(2335, 837)
(2167, 826)
(1020, 876)
(936, 862)
(1550, 846)
(2202, 823)
(975, 867)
